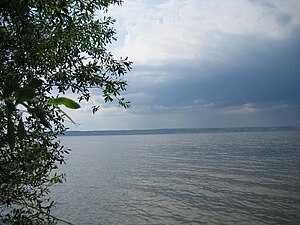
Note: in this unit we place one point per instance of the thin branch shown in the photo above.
(34, 207)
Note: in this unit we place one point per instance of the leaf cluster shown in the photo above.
(48, 46)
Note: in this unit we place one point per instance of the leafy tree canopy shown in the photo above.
(47, 47)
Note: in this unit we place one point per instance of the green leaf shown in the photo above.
(10, 106)
(21, 132)
(59, 109)
(10, 132)
(40, 113)
(64, 101)
(28, 91)
(1, 115)
(107, 98)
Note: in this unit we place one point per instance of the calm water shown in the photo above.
(212, 178)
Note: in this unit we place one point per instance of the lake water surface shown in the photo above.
(206, 178)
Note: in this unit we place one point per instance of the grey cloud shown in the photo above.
(266, 72)
(281, 17)
(284, 19)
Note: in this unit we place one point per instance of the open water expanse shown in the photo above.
(205, 178)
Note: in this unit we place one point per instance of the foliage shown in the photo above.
(46, 47)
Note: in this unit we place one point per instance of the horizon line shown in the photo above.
(179, 130)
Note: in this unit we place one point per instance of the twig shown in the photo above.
(34, 207)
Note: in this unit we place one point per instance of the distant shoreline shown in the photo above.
(179, 131)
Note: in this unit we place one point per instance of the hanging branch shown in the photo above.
(34, 207)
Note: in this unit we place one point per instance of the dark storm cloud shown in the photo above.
(207, 64)
(265, 72)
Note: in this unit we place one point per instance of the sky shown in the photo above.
(204, 64)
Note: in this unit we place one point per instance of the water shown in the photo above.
(208, 178)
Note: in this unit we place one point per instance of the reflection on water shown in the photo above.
(217, 178)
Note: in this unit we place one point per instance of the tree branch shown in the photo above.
(34, 207)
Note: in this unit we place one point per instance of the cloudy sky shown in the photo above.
(205, 63)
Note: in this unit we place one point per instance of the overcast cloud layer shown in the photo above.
(205, 63)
